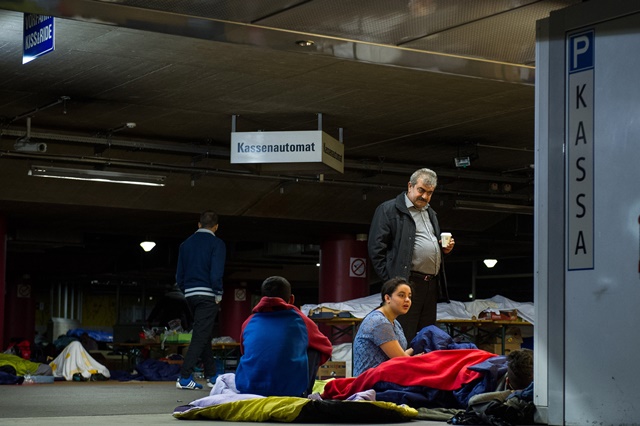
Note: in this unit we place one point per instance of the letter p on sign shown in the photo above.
(581, 51)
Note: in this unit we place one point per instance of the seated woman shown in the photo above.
(380, 336)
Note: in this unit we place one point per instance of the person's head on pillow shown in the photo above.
(277, 287)
(519, 369)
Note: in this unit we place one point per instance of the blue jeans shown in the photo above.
(204, 309)
(313, 357)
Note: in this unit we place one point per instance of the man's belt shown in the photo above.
(422, 277)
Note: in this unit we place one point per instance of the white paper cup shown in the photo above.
(445, 237)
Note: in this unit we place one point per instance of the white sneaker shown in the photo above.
(187, 383)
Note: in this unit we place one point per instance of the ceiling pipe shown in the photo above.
(507, 148)
(138, 145)
(236, 173)
(225, 153)
(492, 207)
(28, 135)
(38, 109)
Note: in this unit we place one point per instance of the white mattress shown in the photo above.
(359, 308)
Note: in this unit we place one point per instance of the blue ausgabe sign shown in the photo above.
(38, 36)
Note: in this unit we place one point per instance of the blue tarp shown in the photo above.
(98, 336)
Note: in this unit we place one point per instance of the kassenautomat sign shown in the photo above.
(311, 150)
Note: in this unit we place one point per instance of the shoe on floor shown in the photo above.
(98, 377)
(78, 377)
(187, 383)
(211, 381)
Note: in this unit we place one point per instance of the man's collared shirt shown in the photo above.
(426, 252)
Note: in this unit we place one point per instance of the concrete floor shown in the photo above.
(102, 403)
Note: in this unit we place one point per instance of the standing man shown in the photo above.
(404, 241)
(199, 275)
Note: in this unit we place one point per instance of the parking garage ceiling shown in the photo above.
(404, 85)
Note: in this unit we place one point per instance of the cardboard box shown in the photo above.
(332, 370)
(496, 348)
(322, 312)
(511, 335)
(499, 315)
(322, 315)
(177, 338)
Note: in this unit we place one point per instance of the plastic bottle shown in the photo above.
(28, 379)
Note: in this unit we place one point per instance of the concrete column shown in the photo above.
(344, 267)
(235, 308)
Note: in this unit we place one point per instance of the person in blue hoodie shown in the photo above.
(199, 275)
(281, 347)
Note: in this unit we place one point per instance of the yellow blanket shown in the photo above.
(292, 409)
(21, 365)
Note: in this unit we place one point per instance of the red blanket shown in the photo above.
(444, 370)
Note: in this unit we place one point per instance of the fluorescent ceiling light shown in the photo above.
(490, 263)
(97, 175)
(147, 245)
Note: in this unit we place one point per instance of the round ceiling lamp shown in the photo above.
(305, 43)
(490, 263)
(147, 245)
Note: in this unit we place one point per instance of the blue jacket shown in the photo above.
(274, 344)
(201, 264)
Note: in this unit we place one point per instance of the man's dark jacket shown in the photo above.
(391, 240)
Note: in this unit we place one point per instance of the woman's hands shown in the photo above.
(393, 349)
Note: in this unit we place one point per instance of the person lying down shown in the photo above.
(74, 360)
(447, 379)
(440, 378)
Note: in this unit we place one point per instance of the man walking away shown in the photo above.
(199, 275)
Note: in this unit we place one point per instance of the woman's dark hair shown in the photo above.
(391, 285)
